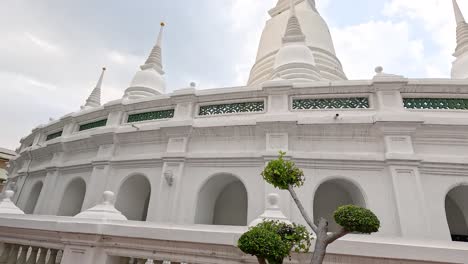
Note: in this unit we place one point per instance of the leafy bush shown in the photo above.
(283, 173)
(274, 240)
(357, 219)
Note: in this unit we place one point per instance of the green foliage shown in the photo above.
(283, 173)
(274, 240)
(357, 219)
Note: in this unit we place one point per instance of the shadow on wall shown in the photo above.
(222, 201)
(332, 194)
(456, 209)
(133, 198)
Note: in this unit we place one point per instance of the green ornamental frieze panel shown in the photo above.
(155, 115)
(331, 103)
(92, 125)
(220, 109)
(436, 103)
(54, 135)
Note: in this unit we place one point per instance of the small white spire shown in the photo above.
(155, 58)
(459, 18)
(293, 29)
(149, 81)
(294, 60)
(94, 99)
(460, 65)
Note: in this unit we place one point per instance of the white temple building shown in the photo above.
(180, 171)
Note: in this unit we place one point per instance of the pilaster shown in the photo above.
(403, 166)
(99, 176)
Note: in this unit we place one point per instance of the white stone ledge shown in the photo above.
(50, 229)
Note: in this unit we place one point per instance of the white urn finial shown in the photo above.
(272, 211)
(7, 206)
(379, 69)
(103, 211)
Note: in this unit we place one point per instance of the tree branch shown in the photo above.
(302, 210)
(261, 260)
(336, 235)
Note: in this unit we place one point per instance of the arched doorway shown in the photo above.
(456, 210)
(332, 194)
(73, 197)
(222, 201)
(133, 198)
(33, 197)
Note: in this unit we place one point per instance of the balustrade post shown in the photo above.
(6, 253)
(33, 256)
(13, 255)
(141, 261)
(42, 256)
(23, 254)
(52, 256)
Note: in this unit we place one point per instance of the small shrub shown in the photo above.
(283, 173)
(357, 219)
(274, 240)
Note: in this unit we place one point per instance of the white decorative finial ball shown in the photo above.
(378, 69)
(273, 199)
(108, 197)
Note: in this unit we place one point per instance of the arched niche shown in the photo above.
(33, 197)
(332, 194)
(456, 210)
(222, 201)
(133, 198)
(73, 197)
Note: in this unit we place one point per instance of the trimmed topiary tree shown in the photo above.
(284, 175)
(272, 241)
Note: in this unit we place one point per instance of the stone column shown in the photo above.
(403, 166)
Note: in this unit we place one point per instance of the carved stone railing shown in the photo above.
(26, 254)
(41, 239)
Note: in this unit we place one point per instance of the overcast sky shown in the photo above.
(51, 51)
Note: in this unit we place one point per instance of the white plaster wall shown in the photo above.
(63, 180)
(231, 206)
(133, 198)
(195, 177)
(27, 191)
(33, 198)
(333, 194)
(436, 187)
(152, 172)
(374, 185)
(73, 198)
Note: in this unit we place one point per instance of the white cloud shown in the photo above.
(43, 44)
(436, 18)
(364, 46)
(247, 19)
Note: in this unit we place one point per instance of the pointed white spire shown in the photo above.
(459, 18)
(293, 28)
(149, 81)
(94, 99)
(155, 57)
(295, 61)
(460, 65)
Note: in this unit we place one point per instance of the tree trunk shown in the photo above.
(321, 242)
(261, 260)
(301, 209)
